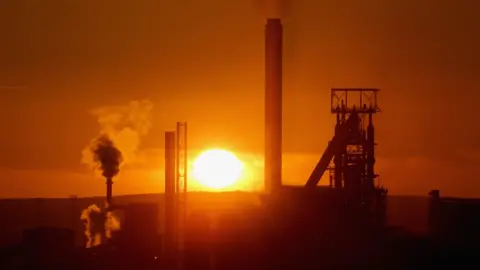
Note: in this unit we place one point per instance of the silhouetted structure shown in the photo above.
(109, 183)
(454, 220)
(48, 248)
(170, 197)
(181, 188)
(273, 104)
(339, 226)
(108, 158)
(350, 155)
(140, 228)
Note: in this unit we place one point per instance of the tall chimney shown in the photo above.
(109, 183)
(170, 205)
(273, 104)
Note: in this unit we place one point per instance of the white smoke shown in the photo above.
(98, 224)
(94, 225)
(112, 224)
(124, 125)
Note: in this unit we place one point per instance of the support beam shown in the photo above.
(170, 198)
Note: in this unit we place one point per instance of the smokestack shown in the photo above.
(273, 104)
(108, 160)
(170, 208)
(109, 183)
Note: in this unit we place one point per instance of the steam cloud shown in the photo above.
(112, 224)
(98, 224)
(92, 218)
(123, 126)
(118, 143)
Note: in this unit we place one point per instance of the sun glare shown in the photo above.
(217, 168)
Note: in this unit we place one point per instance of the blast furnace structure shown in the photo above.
(349, 156)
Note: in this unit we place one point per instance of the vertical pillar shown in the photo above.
(337, 158)
(181, 190)
(170, 199)
(109, 183)
(273, 104)
(370, 152)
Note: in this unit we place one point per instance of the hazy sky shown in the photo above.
(202, 61)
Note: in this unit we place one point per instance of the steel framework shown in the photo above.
(181, 185)
(362, 100)
(350, 155)
(353, 162)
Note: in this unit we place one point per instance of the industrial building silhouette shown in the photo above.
(339, 226)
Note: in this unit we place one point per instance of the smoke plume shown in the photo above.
(112, 224)
(124, 126)
(98, 224)
(93, 219)
(107, 157)
(273, 8)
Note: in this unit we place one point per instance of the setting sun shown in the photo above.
(217, 168)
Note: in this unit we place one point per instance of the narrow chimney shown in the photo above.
(108, 207)
(109, 183)
(273, 104)
(170, 205)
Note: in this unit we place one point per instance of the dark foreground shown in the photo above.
(280, 250)
(282, 234)
(409, 212)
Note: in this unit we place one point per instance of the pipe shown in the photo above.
(170, 204)
(273, 104)
(109, 183)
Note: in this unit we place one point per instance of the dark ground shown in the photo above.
(19, 214)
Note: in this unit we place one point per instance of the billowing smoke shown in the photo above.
(98, 224)
(273, 8)
(106, 156)
(93, 219)
(120, 130)
(124, 126)
(112, 224)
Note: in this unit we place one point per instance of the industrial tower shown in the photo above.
(350, 155)
(176, 191)
(181, 186)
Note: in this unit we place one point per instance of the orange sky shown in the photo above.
(202, 61)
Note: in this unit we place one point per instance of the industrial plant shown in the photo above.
(341, 224)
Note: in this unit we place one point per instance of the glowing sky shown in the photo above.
(202, 61)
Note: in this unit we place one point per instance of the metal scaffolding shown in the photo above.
(181, 185)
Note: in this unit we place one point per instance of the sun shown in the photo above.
(217, 168)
